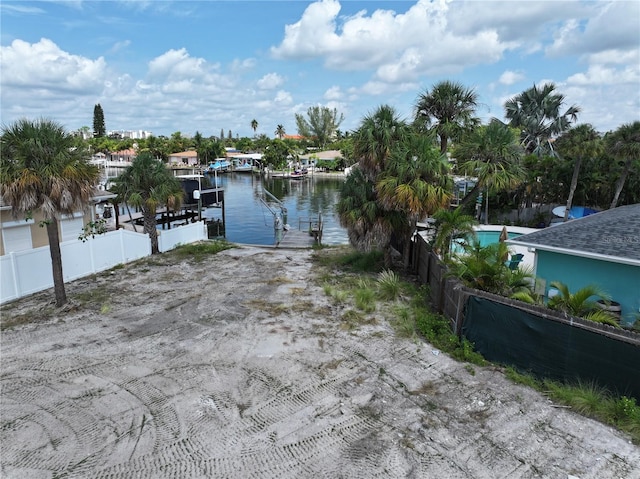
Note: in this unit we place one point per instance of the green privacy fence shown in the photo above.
(552, 349)
(532, 339)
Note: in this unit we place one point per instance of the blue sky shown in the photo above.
(167, 66)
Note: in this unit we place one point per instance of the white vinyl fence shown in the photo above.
(27, 272)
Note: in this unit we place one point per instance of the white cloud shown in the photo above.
(43, 65)
(119, 46)
(607, 26)
(313, 34)
(601, 75)
(283, 98)
(333, 93)
(399, 46)
(374, 88)
(177, 65)
(270, 81)
(615, 57)
(17, 9)
(510, 77)
(513, 21)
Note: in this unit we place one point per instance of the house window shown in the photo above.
(71, 227)
(17, 237)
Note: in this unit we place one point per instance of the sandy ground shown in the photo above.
(241, 367)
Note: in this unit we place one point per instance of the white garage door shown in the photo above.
(16, 237)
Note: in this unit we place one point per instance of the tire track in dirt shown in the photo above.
(245, 381)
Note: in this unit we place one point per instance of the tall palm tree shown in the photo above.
(536, 112)
(492, 154)
(198, 143)
(147, 184)
(374, 140)
(449, 109)
(416, 182)
(254, 125)
(369, 225)
(280, 132)
(42, 170)
(624, 144)
(578, 144)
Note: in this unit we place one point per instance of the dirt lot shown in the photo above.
(241, 367)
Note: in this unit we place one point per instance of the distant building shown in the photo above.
(189, 158)
(123, 156)
(133, 134)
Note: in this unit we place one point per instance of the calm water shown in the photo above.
(249, 221)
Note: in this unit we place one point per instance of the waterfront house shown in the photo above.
(123, 156)
(24, 233)
(186, 158)
(602, 249)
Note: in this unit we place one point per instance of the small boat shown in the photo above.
(298, 175)
(246, 163)
(220, 165)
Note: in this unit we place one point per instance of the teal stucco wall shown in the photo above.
(621, 281)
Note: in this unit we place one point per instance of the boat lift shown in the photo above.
(279, 218)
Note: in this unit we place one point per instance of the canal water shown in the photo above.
(251, 221)
(250, 211)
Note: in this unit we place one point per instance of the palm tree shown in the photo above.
(416, 182)
(624, 144)
(582, 303)
(369, 225)
(536, 112)
(148, 184)
(451, 224)
(375, 139)
(254, 126)
(198, 143)
(491, 153)
(280, 132)
(450, 108)
(579, 143)
(42, 170)
(483, 267)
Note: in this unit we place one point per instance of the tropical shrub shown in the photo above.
(583, 303)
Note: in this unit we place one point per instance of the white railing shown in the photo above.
(27, 272)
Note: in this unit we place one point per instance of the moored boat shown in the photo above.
(219, 165)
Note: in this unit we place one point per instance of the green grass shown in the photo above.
(365, 299)
(339, 296)
(403, 323)
(437, 330)
(587, 399)
(389, 285)
(348, 260)
(8, 321)
(201, 250)
(410, 314)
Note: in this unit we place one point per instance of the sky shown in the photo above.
(207, 66)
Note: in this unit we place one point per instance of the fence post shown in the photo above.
(443, 280)
(459, 305)
(14, 271)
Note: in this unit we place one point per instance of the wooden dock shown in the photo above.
(296, 239)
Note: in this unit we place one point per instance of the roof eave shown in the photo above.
(582, 254)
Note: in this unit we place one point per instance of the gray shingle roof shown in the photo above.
(614, 233)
